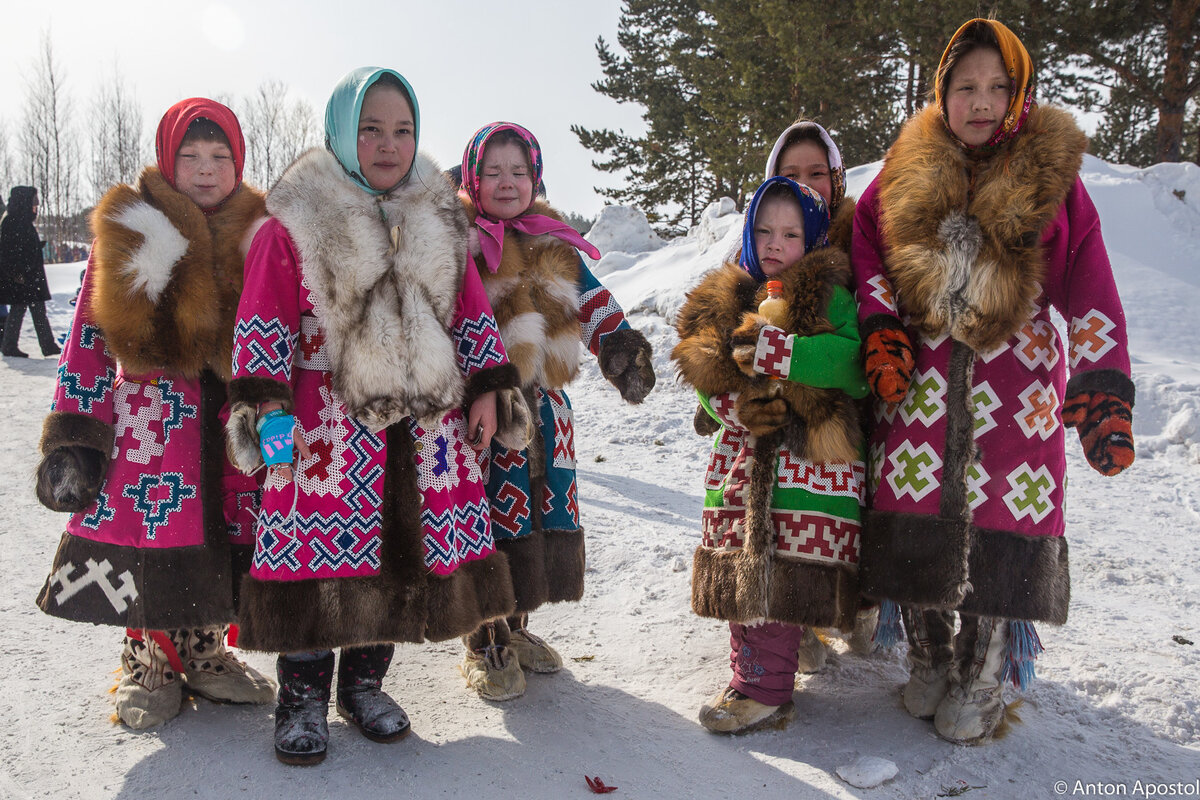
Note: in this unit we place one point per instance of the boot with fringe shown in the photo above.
(733, 713)
(490, 666)
(301, 716)
(360, 695)
(532, 652)
(930, 658)
(973, 708)
(150, 690)
(216, 674)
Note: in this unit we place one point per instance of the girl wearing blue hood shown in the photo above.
(784, 485)
(363, 338)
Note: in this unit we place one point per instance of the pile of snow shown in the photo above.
(620, 233)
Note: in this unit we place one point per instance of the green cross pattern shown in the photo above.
(973, 477)
(914, 463)
(981, 403)
(1034, 488)
(923, 395)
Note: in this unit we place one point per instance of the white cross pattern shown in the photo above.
(98, 574)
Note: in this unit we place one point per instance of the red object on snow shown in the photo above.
(597, 785)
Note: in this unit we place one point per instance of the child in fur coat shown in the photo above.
(977, 226)
(160, 534)
(364, 319)
(547, 303)
(780, 528)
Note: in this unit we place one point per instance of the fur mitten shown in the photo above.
(514, 421)
(1104, 423)
(761, 414)
(75, 452)
(703, 422)
(887, 358)
(69, 478)
(625, 360)
(744, 342)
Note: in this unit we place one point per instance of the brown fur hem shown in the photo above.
(1109, 381)
(565, 563)
(799, 592)
(198, 578)
(276, 616)
(65, 429)
(917, 560)
(492, 379)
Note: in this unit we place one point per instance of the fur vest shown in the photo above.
(535, 296)
(384, 273)
(825, 426)
(964, 233)
(167, 278)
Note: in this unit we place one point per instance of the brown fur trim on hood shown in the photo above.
(535, 296)
(384, 273)
(166, 279)
(963, 234)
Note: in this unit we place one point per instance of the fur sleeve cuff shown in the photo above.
(1110, 381)
(492, 379)
(64, 429)
(241, 431)
(879, 322)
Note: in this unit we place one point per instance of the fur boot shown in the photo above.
(150, 691)
(930, 658)
(812, 653)
(216, 674)
(531, 651)
(490, 666)
(862, 638)
(301, 724)
(733, 713)
(973, 708)
(360, 695)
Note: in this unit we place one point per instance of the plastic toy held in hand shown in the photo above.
(774, 307)
(275, 437)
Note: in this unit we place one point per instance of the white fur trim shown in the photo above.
(564, 291)
(564, 349)
(529, 327)
(149, 267)
(387, 316)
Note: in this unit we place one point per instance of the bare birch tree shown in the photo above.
(119, 145)
(49, 148)
(277, 130)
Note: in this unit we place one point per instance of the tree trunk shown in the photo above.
(1181, 51)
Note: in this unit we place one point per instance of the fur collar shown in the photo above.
(385, 273)
(535, 296)
(166, 279)
(963, 234)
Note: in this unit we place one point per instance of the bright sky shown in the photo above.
(470, 61)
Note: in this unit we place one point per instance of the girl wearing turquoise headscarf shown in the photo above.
(362, 338)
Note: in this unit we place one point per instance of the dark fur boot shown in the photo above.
(360, 696)
(301, 724)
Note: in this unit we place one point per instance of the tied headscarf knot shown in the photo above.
(491, 231)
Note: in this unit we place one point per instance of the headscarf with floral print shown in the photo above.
(491, 230)
(1019, 66)
(813, 210)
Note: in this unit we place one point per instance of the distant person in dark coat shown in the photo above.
(23, 273)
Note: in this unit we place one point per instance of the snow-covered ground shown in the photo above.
(1117, 700)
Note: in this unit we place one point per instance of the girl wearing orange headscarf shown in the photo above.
(975, 229)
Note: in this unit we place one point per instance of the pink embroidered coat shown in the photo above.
(967, 474)
(385, 533)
